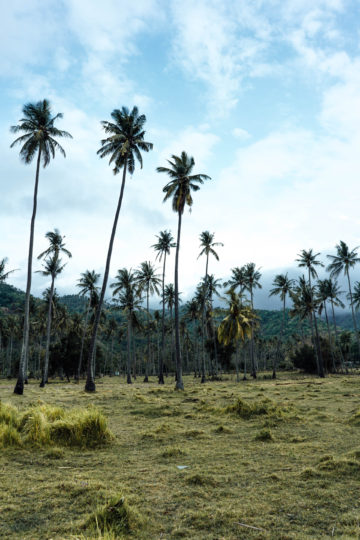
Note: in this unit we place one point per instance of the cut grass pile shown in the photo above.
(264, 459)
(45, 425)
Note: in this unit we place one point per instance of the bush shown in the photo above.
(116, 517)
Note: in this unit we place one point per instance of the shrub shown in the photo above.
(115, 516)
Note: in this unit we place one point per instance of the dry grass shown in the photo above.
(291, 471)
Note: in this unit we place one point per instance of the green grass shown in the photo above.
(280, 456)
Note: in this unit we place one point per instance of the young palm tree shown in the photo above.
(162, 247)
(237, 324)
(52, 267)
(179, 188)
(38, 139)
(126, 139)
(282, 286)
(308, 259)
(305, 304)
(147, 280)
(237, 280)
(342, 262)
(129, 301)
(87, 285)
(252, 281)
(207, 244)
(4, 275)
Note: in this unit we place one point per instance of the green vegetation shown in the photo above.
(258, 459)
(43, 425)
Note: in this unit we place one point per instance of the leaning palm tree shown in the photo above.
(342, 262)
(87, 285)
(162, 247)
(282, 286)
(38, 139)
(179, 188)
(207, 244)
(147, 280)
(252, 281)
(126, 139)
(4, 275)
(52, 267)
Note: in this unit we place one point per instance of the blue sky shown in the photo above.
(264, 94)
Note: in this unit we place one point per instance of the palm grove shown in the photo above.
(125, 335)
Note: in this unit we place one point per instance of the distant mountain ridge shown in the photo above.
(12, 300)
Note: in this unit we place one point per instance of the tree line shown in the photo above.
(123, 146)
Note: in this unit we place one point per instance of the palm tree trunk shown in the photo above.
(237, 361)
(48, 333)
(330, 340)
(353, 314)
(337, 340)
(19, 387)
(90, 383)
(321, 364)
(161, 363)
(147, 360)
(203, 377)
(179, 381)
(128, 364)
(77, 377)
(252, 355)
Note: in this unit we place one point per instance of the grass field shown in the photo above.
(264, 459)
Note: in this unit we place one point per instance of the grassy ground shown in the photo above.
(281, 469)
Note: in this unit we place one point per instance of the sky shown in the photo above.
(264, 94)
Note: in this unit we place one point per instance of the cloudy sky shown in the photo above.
(265, 94)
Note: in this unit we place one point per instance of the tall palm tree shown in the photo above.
(126, 139)
(252, 281)
(207, 244)
(213, 286)
(342, 262)
(4, 275)
(308, 259)
(162, 247)
(147, 280)
(179, 188)
(87, 285)
(282, 286)
(37, 139)
(237, 325)
(52, 267)
(323, 297)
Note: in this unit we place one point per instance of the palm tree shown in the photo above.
(282, 286)
(179, 188)
(148, 280)
(207, 244)
(237, 280)
(237, 324)
(4, 275)
(162, 247)
(213, 286)
(308, 259)
(129, 301)
(39, 131)
(87, 285)
(343, 261)
(52, 267)
(126, 139)
(334, 293)
(305, 304)
(323, 288)
(192, 313)
(252, 281)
